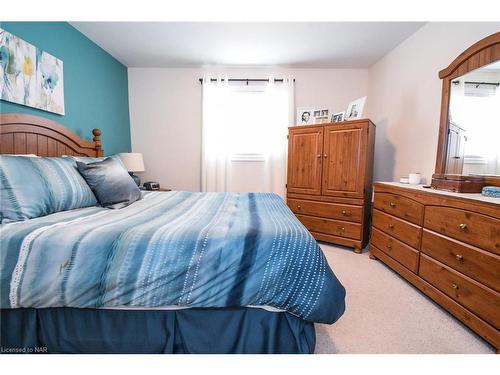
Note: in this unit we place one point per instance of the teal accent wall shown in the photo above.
(95, 83)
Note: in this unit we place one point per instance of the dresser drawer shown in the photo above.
(402, 230)
(481, 300)
(479, 230)
(397, 250)
(478, 264)
(333, 227)
(327, 210)
(400, 206)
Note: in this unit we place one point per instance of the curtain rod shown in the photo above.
(456, 82)
(482, 83)
(245, 80)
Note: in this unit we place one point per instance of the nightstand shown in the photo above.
(160, 189)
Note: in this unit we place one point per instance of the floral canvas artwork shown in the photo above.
(30, 76)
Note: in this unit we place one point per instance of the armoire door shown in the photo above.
(456, 149)
(344, 160)
(305, 147)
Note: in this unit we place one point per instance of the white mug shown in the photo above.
(414, 178)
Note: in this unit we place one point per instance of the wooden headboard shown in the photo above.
(28, 134)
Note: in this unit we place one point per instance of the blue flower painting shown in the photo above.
(30, 76)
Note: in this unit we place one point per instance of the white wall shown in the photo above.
(404, 96)
(165, 112)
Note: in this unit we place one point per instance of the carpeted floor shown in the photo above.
(385, 314)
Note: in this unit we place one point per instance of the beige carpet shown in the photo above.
(385, 314)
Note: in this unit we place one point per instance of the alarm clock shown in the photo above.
(151, 185)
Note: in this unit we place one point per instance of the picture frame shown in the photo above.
(305, 116)
(338, 117)
(355, 109)
(32, 77)
(321, 115)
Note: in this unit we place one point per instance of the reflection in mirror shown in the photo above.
(474, 122)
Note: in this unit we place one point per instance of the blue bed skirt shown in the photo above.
(225, 330)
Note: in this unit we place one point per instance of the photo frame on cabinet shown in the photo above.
(305, 116)
(355, 109)
(321, 115)
(338, 117)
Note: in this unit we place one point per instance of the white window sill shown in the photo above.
(259, 158)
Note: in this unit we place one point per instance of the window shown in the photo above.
(244, 123)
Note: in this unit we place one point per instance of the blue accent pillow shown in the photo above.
(34, 187)
(110, 182)
(90, 159)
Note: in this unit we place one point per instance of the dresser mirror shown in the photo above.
(469, 134)
(474, 122)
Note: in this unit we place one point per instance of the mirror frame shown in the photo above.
(482, 53)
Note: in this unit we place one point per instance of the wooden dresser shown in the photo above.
(447, 245)
(329, 181)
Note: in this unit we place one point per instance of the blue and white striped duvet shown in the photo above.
(177, 248)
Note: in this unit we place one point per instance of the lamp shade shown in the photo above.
(133, 161)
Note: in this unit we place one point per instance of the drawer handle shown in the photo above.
(454, 286)
(389, 246)
(463, 226)
(298, 207)
(391, 226)
(392, 204)
(344, 212)
(342, 229)
(459, 257)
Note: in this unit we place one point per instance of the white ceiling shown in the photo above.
(291, 44)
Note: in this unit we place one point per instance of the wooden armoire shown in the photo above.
(329, 180)
(456, 149)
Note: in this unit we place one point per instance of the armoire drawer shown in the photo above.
(481, 300)
(478, 264)
(338, 211)
(333, 227)
(400, 206)
(397, 250)
(402, 230)
(479, 230)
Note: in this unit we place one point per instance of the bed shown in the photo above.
(175, 272)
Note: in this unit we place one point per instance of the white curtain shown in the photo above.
(214, 155)
(244, 135)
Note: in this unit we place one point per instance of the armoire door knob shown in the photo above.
(319, 155)
(325, 156)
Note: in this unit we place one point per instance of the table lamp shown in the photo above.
(134, 162)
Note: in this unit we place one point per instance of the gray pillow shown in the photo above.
(110, 182)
